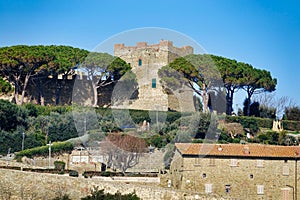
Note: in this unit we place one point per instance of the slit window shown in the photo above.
(212, 162)
(233, 163)
(260, 189)
(140, 62)
(208, 188)
(260, 163)
(227, 188)
(285, 170)
(154, 83)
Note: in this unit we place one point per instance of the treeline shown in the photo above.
(214, 78)
(42, 124)
(21, 65)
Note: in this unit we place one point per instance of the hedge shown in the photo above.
(291, 125)
(264, 122)
(57, 147)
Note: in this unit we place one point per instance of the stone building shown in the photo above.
(145, 61)
(236, 171)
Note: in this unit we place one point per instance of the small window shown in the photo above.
(285, 193)
(260, 163)
(208, 188)
(227, 188)
(204, 175)
(233, 163)
(197, 161)
(260, 189)
(251, 176)
(212, 162)
(285, 170)
(154, 83)
(140, 62)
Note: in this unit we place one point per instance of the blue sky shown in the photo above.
(262, 33)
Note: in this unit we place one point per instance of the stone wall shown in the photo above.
(64, 91)
(30, 185)
(145, 61)
(192, 173)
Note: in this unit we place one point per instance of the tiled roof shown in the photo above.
(240, 150)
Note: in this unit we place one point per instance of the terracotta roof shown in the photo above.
(240, 150)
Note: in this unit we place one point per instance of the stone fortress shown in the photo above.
(145, 61)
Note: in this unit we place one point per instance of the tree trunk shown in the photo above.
(42, 98)
(229, 101)
(95, 93)
(24, 88)
(205, 99)
(16, 93)
(249, 104)
(58, 90)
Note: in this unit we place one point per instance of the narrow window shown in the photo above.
(260, 163)
(233, 163)
(260, 189)
(212, 162)
(285, 193)
(251, 176)
(197, 161)
(204, 175)
(154, 83)
(285, 170)
(227, 188)
(140, 62)
(208, 188)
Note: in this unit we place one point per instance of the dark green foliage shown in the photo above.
(249, 123)
(73, 173)
(292, 113)
(291, 125)
(157, 140)
(254, 109)
(11, 116)
(272, 137)
(64, 197)
(264, 122)
(31, 110)
(97, 194)
(59, 165)
(61, 127)
(5, 87)
(267, 112)
(13, 140)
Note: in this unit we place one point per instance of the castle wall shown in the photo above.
(59, 91)
(17, 185)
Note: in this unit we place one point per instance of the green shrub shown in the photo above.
(250, 123)
(59, 165)
(291, 125)
(57, 148)
(73, 173)
(64, 197)
(100, 195)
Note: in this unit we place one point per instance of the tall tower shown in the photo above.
(145, 61)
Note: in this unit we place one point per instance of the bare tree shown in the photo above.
(122, 150)
(270, 100)
(234, 129)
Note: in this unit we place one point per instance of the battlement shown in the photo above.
(163, 44)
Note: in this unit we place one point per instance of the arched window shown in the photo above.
(140, 62)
